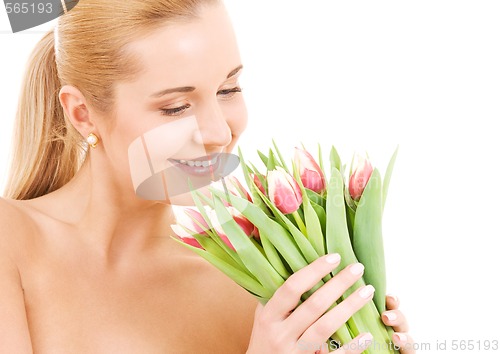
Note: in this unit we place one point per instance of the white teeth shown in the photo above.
(198, 163)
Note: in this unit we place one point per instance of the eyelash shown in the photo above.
(179, 110)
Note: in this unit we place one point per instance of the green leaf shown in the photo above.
(254, 261)
(263, 157)
(300, 239)
(236, 275)
(196, 195)
(367, 239)
(273, 257)
(251, 184)
(212, 247)
(337, 233)
(315, 197)
(388, 174)
(367, 319)
(279, 236)
(320, 159)
(335, 161)
(271, 162)
(313, 226)
(283, 162)
(320, 211)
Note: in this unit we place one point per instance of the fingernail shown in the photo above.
(390, 316)
(365, 340)
(333, 258)
(394, 298)
(357, 269)
(367, 291)
(401, 337)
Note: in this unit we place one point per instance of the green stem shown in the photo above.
(300, 223)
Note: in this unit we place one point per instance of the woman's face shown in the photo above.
(185, 108)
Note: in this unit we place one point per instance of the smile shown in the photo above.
(201, 162)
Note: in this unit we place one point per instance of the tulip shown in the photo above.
(235, 187)
(361, 172)
(246, 226)
(258, 183)
(192, 223)
(284, 191)
(185, 236)
(311, 175)
(195, 221)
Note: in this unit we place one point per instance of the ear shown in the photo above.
(76, 109)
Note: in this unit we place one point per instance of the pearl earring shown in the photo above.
(92, 140)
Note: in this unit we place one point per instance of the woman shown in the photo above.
(86, 265)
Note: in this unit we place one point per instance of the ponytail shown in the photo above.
(46, 151)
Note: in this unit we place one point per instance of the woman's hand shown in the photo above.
(395, 318)
(282, 327)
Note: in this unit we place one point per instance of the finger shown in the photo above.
(391, 302)
(404, 342)
(286, 298)
(356, 346)
(331, 321)
(310, 310)
(395, 319)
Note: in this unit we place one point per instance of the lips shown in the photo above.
(200, 166)
(199, 162)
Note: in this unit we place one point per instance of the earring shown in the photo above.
(92, 140)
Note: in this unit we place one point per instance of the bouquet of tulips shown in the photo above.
(288, 217)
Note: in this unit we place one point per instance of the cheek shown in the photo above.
(237, 117)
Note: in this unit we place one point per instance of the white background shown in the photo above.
(369, 75)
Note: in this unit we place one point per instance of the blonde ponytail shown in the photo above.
(46, 152)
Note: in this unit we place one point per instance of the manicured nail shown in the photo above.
(367, 291)
(365, 340)
(394, 298)
(357, 269)
(390, 316)
(401, 337)
(333, 258)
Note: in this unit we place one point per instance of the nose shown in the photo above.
(214, 131)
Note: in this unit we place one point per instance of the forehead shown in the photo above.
(177, 53)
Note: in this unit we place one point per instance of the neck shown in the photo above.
(111, 218)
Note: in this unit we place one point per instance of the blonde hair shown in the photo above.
(91, 55)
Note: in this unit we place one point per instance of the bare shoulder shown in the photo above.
(15, 225)
(13, 321)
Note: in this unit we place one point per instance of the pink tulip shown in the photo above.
(284, 191)
(258, 183)
(310, 173)
(361, 172)
(248, 228)
(235, 187)
(185, 236)
(194, 223)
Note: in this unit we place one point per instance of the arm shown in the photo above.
(14, 332)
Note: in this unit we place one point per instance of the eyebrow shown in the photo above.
(190, 88)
